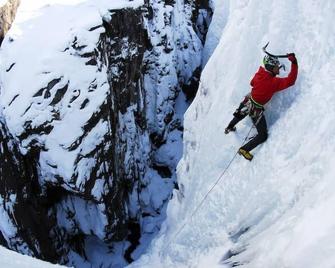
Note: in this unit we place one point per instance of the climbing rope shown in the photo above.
(211, 189)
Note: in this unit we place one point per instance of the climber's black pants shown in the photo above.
(238, 116)
(261, 127)
(261, 136)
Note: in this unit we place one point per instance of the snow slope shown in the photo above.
(11, 259)
(276, 211)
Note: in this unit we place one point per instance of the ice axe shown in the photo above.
(275, 56)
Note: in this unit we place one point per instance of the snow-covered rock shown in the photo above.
(90, 92)
(22, 209)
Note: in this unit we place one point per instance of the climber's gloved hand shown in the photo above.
(291, 57)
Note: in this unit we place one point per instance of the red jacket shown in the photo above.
(264, 84)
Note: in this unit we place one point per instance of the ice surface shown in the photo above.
(275, 211)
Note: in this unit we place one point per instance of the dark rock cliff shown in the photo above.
(147, 60)
(27, 224)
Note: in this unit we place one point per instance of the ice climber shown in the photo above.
(264, 84)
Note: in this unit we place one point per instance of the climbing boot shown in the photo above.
(247, 155)
(229, 129)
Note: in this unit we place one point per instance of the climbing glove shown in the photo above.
(291, 57)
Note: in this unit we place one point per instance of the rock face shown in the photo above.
(84, 144)
(7, 15)
(22, 209)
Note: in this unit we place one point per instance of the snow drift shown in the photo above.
(276, 211)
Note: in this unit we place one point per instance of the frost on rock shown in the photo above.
(95, 105)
